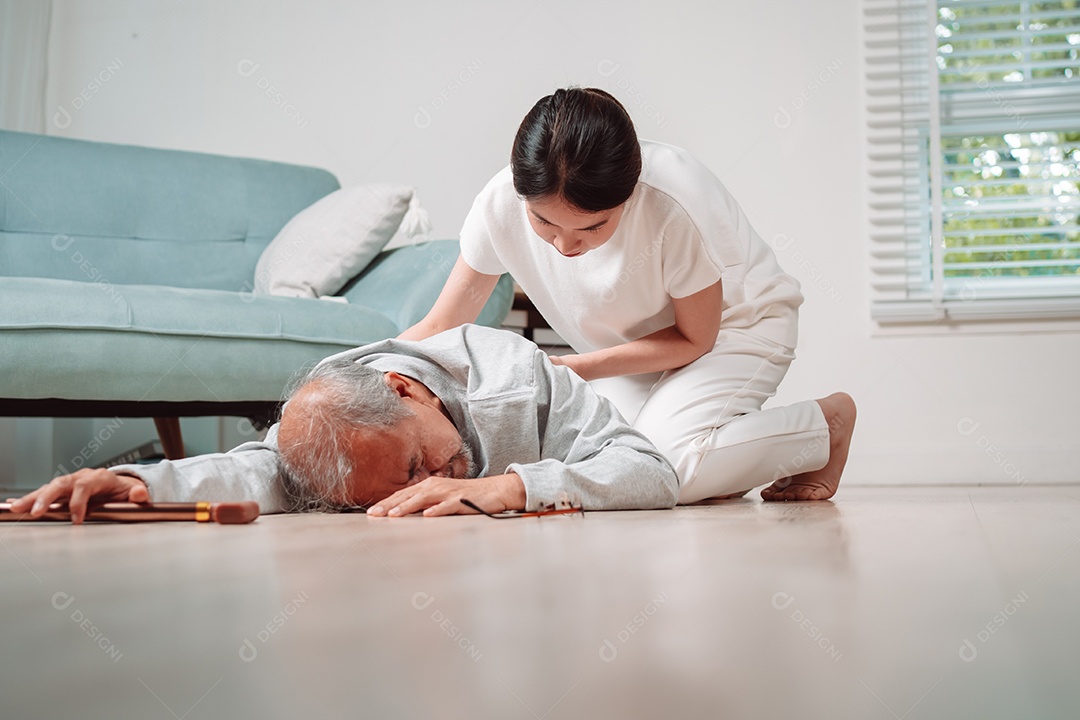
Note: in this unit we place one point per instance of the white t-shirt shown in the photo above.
(680, 232)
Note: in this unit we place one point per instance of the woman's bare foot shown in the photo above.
(821, 484)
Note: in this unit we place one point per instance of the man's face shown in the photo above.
(387, 460)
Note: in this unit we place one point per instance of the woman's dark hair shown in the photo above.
(579, 144)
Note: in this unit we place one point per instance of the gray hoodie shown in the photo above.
(515, 410)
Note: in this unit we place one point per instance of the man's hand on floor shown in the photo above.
(442, 496)
(81, 487)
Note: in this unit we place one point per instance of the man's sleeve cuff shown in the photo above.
(545, 485)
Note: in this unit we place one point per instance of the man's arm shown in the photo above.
(78, 488)
(247, 472)
(443, 495)
(591, 457)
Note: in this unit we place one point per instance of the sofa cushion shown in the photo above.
(70, 209)
(94, 341)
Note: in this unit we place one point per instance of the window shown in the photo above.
(973, 111)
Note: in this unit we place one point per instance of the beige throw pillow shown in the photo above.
(330, 242)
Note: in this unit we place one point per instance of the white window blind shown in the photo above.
(973, 112)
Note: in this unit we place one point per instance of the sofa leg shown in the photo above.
(168, 429)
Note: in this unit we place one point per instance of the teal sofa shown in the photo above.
(126, 284)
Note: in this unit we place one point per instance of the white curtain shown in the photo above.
(24, 50)
(25, 444)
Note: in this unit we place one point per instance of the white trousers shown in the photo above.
(706, 417)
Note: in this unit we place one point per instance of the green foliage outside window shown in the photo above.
(1010, 200)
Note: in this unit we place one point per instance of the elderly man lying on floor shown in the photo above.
(401, 427)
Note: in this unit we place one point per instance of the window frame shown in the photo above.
(904, 198)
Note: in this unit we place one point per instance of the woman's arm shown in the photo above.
(461, 300)
(697, 322)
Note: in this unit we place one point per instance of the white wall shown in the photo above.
(767, 94)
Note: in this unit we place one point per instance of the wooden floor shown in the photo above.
(888, 603)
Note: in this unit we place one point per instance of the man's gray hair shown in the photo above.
(316, 465)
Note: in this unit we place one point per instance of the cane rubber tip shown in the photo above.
(235, 513)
